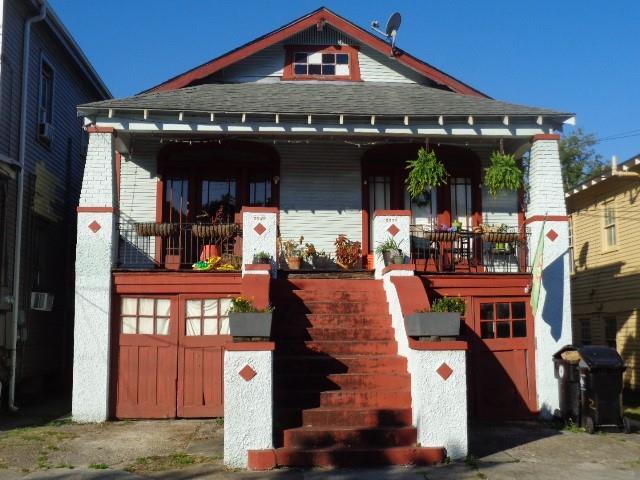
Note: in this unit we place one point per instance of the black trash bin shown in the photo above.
(590, 386)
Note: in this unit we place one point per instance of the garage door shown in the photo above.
(501, 358)
(170, 353)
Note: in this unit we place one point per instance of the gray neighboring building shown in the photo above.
(36, 311)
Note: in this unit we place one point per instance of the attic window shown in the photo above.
(321, 63)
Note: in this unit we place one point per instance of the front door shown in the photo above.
(170, 356)
(501, 364)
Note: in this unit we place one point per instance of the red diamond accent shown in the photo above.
(94, 226)
(552, 235)
(247, 373)
(260, 229)
(444, 371)
(393, 230)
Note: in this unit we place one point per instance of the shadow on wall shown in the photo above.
(553, 283)
(629, 348)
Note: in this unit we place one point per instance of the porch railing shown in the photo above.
(466, 251)
(175, 246)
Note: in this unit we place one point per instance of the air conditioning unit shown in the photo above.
(42, 301)
(45, 131)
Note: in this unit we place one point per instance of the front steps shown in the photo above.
(342, 393)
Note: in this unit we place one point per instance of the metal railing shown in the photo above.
(175, 246)
(467, 251)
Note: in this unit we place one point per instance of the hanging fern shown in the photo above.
(503, 174)
(425, 172)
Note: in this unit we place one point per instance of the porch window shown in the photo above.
(207, 317)
(503, 320)
(609, 225)
(327, 63)
(45, 110)
(145, 316)
(218, 194)
(379, 199)
(461, 199)
(610, 331)
(423, 209)
(260, 189)
(176, 200)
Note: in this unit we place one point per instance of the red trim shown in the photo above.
(437, 346)
(96, 129)
(97, 209)
(354, 65)
(545, 136)
(395, 268)
(256, 289)
(250, 347)
(548, 218)
(257, 267)
(117, 170)
(392, 213)
(412, 294)
(299, 25)
(173, 283)
(260, 210)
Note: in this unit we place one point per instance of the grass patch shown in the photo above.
(29, 435)
(633, 413)
(65, 465)
(158, 463)
(572, 427)
(98, 466)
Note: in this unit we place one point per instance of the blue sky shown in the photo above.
(581, 56)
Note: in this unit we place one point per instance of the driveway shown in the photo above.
(187, 449)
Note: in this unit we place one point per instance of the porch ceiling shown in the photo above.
(321, 98)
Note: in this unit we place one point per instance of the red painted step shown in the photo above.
(336, 296)
(371, 347)
(285, 321)
(346, 381)
(320, 437)
(321, 363)
(362, 417)
(342, 308)
(344, 457)
(330, 333)
(343, 398)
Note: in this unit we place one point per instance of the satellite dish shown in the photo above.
(393, 24)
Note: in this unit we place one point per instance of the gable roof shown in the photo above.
(318, 98)
(322, 14)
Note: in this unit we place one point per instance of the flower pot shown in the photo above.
(209, 231)
(152, 229)
(427, 324)
(386, 257)
(172, 259)
(209, 251)
(261, 261)
(251, 324)
(397, 259)
(294, 263)
(441, 236)
(500, 237)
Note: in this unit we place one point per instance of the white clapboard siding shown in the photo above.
(138, 187)
(376, 67)
(265, 65)
(320, 193)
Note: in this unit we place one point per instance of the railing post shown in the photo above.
(259, 234)
(96, 252)
(390, 224)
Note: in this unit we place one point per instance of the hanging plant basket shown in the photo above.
(503, 174)
(152, 229)
(441, 236)
(425, 172)
(500, 237)
(217, 231)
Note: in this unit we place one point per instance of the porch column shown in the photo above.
(248, 401)
(390, 224)
(259, 234)
(96, 251)
(552, 322)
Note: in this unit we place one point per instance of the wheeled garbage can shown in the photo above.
(590, 386)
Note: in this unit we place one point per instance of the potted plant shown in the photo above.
(348, 252)
(262, 258)
(443, 320)
(425, 172)
(503, 174)
(390, 252)
(245, 320)
(322, 260)
(292, 251)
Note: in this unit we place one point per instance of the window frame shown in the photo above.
(288, 72)
(586, 326)
(45, 64)
(607, 321)
(606, 227)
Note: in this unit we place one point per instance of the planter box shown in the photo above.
(433, 324)
(252, 324)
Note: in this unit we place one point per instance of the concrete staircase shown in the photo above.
(342, 393)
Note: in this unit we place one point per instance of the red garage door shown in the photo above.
(501, 363)
(170, 352)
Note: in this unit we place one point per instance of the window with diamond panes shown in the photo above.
(207, 317)
(503, 320)
(321, 64)
(145, 316)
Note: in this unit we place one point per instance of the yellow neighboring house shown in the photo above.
(605, 260)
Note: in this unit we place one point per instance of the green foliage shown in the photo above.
(262, 256)
(389, 245)
(425, 172)
(347, 251)
(292, 248)
(99, 466)
(449, 304)
(503, 174)
(578, 159)
(244, 305)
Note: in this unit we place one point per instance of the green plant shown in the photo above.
(503, 174)
(389, 245)
(347, 251)
(292, 248)
(99, 466)
(244, 305)
(262, 256)
(449, 304)
(425, 172)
